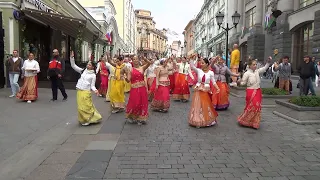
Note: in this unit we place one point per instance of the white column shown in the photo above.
(259, 15)
(11, 35)
(240, 11)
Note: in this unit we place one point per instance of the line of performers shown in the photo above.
(151, 80)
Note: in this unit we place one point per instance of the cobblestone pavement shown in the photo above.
(167, 148)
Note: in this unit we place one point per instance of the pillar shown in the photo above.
(296, 4)
(240, 10)
(316, 35)
(256, 41)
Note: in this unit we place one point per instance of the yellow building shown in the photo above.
(150, 40)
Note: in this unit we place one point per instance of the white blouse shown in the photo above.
(252, 78)
(150, 71)
(87, 80)
(30, 65)
(209, 76)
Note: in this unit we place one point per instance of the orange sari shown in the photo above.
(202, 112)
(221, 100)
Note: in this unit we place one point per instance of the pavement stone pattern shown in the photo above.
(167, 148)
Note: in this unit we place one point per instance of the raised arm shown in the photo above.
(264, 69)
(193, 67)
(74, 66)
(146, 65)
(128, 75)
(190, 73)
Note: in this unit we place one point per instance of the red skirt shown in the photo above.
(161, 99)
(151, 87)
(181, 90)
(221, 100)
(29, 90)
(251, 116)
(103, 85)
(172, 82)
(137, 107)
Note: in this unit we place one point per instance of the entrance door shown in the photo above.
(2, 78)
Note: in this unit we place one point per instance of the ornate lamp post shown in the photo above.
(185, 48)
(179, 43)
(235, 20)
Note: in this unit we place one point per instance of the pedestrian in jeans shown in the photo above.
(306, 71)
(55, 74)
(14, 65)
(284, 69)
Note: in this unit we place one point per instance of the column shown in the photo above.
(259, 16)
(240, 10)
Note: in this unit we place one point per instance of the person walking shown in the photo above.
(14, 65)
(306, 71)
(55, 74)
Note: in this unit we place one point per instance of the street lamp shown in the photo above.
(181, 50)
(235, 20)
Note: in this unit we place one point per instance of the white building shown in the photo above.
(209, 39)
(130, 27)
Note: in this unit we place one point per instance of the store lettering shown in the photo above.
(39, 5)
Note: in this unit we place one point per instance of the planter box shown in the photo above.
(271, 99)
(238, 91)
(297, 114)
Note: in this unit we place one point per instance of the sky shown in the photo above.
(172, 14)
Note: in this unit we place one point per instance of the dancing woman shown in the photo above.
(202, 112)
(252, 112)
(87, 113)
(171, 70)
(137, 107)
(181, 90)
(116, 94)
(151, 76)
(161, 100)
(104, 77)
(221, 100)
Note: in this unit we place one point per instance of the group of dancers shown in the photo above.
(153, 80)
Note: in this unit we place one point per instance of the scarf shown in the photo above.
(118, 70)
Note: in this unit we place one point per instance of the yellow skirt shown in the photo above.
(116, 94)
(127, 87)
(87, 113)
(108, 91)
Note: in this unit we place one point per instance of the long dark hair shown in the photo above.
(206, 60)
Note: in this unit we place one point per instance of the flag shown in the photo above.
(108, 36)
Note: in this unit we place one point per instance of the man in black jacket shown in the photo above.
(306, 71)
(55, 74)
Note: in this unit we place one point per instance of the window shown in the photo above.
(303, 42)
(304, 3)
(250, 18)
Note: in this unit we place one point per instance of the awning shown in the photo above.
(66, 24)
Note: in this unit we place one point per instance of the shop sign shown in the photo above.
(39, 5)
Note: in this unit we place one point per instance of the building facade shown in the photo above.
(126, 22)
(189, 38)
(290, 26)
(209, 39)
(104, 12)
(43, 25)
(150, 40)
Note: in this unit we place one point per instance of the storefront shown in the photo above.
(39, 28)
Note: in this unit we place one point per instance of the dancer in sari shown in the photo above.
(202, 112)
(104, 77)
(252, 112)
(151, 76)
(127, 85)
(87, 113)
(161, 100)
(181, 90)
(221, 100)
(111, 76)
(116, 94)
(29, 91)
(171, 71)
(137, 107)
(191, 81)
